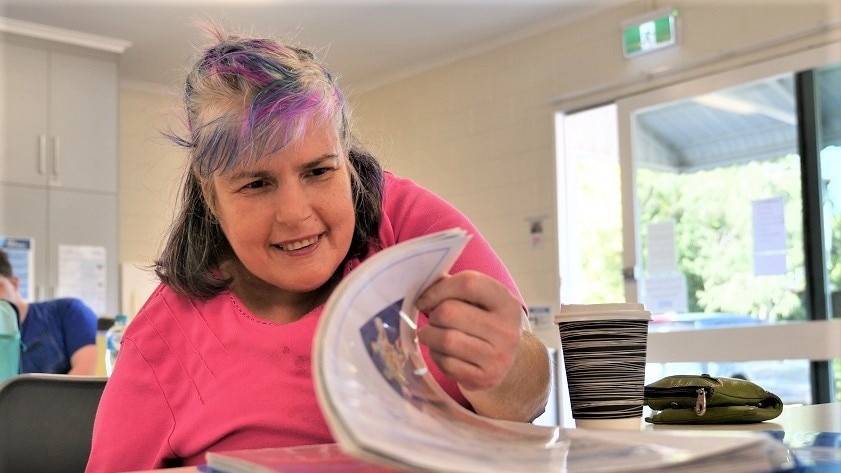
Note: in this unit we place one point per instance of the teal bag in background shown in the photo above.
(704, 399)
(10, 343)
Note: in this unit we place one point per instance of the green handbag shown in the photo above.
(693, 399)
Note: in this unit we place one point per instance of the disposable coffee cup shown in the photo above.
(604, 348)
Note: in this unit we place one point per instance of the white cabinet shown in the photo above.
(24, 117)
(83, 119)
(59, 118)
(59, 154)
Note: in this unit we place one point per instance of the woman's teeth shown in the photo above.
(297, 245)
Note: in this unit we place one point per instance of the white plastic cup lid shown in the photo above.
(612, 311)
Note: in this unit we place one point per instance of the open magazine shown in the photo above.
(385, 408)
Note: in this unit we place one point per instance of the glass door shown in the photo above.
(827, 115)
(828, 99)
(589, 206)
(713, 221)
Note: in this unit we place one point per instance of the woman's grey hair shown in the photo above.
(246, 98)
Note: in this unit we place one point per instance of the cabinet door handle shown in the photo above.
(56, 155)
(42, 154)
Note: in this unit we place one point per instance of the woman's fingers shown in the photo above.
(474, 328)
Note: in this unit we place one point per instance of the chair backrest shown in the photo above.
(9, 340)
(46, 422)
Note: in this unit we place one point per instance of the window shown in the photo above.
(698, 207)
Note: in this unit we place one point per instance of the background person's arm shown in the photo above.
(84, 361)
(79, 326)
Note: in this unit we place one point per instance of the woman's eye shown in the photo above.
(255, 184)
(319, 171)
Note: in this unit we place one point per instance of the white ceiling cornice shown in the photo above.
(50, 33)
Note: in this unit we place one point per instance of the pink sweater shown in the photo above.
(195, 375)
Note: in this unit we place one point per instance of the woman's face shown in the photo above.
(289, 217)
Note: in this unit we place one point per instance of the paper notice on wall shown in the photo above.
(536, 231)
(21, 253)
(81, 274)
(665, 293)
(769, 237)
(662, 250)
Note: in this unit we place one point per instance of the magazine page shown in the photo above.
(383, 405)
(303, 459)
(332, 458)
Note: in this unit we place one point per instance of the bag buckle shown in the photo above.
(701, 402)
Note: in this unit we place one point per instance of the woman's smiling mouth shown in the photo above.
(297, 245)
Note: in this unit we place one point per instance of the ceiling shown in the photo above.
(752, 121)
(368, 43)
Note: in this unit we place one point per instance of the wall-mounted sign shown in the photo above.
(81, 274)
(649, 33)
(770, 239)
(536, 230)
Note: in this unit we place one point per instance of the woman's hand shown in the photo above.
(475, 336)
(474, 328)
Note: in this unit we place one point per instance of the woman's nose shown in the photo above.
(292, 204)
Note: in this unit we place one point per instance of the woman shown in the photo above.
(278, 205)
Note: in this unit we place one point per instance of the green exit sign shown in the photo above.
(649, 34)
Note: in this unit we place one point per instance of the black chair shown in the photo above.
(46, 422)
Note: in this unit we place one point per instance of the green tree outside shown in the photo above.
(712, 211)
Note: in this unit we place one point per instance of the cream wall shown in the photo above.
(480, 131)
(150, 172)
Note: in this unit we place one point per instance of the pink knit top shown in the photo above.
(195, 376)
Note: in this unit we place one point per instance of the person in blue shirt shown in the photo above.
(58, 336)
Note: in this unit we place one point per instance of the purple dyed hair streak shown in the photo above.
(247, 98)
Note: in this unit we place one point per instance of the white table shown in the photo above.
(793, 420)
